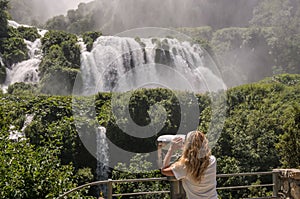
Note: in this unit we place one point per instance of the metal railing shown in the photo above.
(175, 183)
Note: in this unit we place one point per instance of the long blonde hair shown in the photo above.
(196, 155)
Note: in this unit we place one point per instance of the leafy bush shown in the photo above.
(60, 65)
(258, 133)
(68, 43)
(29, 33)
(89, 38)
(3, 19)
(32, 172)
(13, 48)
(20, 88)
(138, 167)
(2, 74)
(202, 33)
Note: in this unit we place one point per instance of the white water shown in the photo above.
(20, 135)
(123, 62)
(1, 61)
(120, 64)
(102, 156)
(25, 71)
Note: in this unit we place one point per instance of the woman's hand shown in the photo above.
(177, 143)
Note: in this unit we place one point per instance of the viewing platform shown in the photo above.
(285, 184)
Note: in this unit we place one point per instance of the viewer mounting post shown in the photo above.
(177, 191)
(275, 176)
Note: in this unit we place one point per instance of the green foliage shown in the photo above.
(89, 38)
(138, 167)
(198, 33)
(60, 65)
(87, 17)
(3, 19)
(272, 13)
(13, 48)
(283, 16)
(2, 74)
(57, 23)
(32, 172)
(260, 131)
(29, 33)
(255, 136)
(289, 144)
(66, 41)
(20, 88)
(140, 102)
(84, 176)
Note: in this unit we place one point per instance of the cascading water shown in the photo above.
(19, 135)
(102, 156)
(112, 57)
(26, 71)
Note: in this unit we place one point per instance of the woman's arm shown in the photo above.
(175, 144)
(167, 171)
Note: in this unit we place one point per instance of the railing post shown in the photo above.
(176, 189)
(109, 189)
(275, 177)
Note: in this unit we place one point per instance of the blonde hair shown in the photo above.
(195, 155)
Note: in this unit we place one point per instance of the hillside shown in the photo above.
(261, 130)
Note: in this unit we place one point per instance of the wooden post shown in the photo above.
(177, 191)
(109, 189)
(275, 177)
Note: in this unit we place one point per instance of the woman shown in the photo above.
(196, 167)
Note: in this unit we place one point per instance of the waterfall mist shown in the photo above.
(39, 11)
(122, 15)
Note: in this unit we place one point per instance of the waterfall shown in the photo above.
(102, 158)
(19, 135)
(112, 58)
(26, 71)
(130, 63)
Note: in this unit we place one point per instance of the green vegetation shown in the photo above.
(261, 132)
(89, 38)
(87, 17)
(21, 88)
(139, 167)
(29, 33)
(2, 74)
(61, 62)
(32, 172)
(3, 19)
(13, 47)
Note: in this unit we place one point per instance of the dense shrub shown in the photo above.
(13, 48)
(258, 134)
(60, 65)
(89, 38)
(29, 33)
(2, 74)
(32, 172)
(21, 88)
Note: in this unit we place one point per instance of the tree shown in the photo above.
(283, 17)
(138, 167)
(3, 19)
(289, 145)
(32, 172)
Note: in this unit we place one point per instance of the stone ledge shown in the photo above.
(289, 173)
(289, 182)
